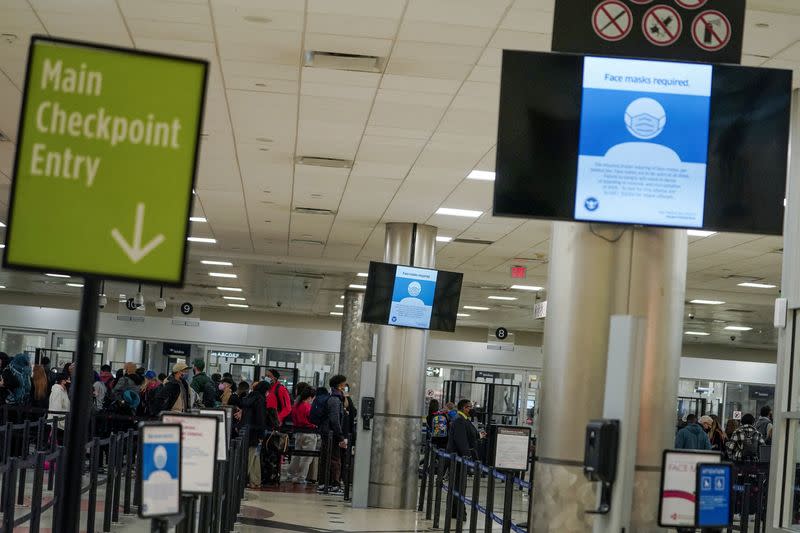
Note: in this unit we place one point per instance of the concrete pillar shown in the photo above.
(597, 271)
(399, 402)
(356, 345)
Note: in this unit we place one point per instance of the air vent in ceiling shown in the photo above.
(329, 162)
(308, 241)
(313, 211)
(4, 138)
(339, 61)
(473, 241)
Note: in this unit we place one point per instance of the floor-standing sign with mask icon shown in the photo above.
(159, 469)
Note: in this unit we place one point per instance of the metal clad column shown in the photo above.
(356, 344)
(400, 395)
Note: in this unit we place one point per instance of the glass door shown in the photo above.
(15, 342)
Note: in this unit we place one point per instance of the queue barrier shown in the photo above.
(439, 465)
(31, 447)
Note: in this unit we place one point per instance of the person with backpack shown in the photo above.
(305, 438)
(692, 436)
(130, 381)
(254, 420)
(174, 394)
(327, 412)
(745, 442)
(764, 424)
(438, 422)
(16, 379)
(278, 397)
(203, 385)
(58, 405)
(148, 392)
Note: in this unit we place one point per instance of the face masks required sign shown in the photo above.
(105, 164)
(160, 469)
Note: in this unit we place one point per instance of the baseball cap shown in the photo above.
(179, 367)
(150, 374)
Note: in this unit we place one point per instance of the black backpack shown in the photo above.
(751, 446)
(319, 408)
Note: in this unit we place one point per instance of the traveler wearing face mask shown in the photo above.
(59, 404)
(174, 395)
(226, 393)
(277, 396)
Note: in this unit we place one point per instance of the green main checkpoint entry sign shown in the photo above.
(106, 160)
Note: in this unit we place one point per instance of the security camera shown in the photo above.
(138, 300)
(691, 316)
(306, 286)
(279, 303)
(102, 301)
(161, 304)
(733, 338)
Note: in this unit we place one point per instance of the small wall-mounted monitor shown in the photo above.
(643, 142)
(412, 297)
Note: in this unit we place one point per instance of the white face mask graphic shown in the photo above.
(645, 118)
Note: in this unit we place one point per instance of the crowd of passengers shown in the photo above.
(320, 418)
(740, 441)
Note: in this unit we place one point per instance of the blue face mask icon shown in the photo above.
(645, 118)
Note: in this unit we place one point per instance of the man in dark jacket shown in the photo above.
(203, 385)
(332, 423)
(463, 438)
(693, 436)
(254, 419)
(174, 395)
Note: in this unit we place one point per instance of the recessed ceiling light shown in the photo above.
(757, 285)
(336, 313)
(76, 285)
(57, 276)
(697, 333)
(206, 240)
(234, 298)
(257, 19)
(762, 25)
(198, 219)
(222, 275)
(526, 288)
(341, 297)
(357, 286)
(2, 246)
(229, 289)
(700, 233)
(476, 308)
(241, 306)
(483, 175)
(339, 306)
(217, 263)
(463, 315)
(738, 328)
(362, 275)
(506, 298)
(707, 302)
(442, 238)
(2, 286)
(458, 212)
(2, 224)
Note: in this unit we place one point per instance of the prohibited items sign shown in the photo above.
(612, 20)
(711, 30)
(662, 25)
(692, 4)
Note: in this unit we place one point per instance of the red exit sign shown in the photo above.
(519, 272)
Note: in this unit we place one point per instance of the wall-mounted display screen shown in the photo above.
(399, 295)
(635, 141)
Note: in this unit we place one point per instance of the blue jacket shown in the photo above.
(692, 437)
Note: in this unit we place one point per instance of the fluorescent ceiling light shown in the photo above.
(357, 286)
(77, 285)
(700, 233)
(336, 313)
(506, 298)
(341, 297)
(206, 240)
(2, 286)
(442, 238)
(230, 289)
(707, 302)
(757, 285)
(2, 224)
(217, 263)
(458, 212)
(339, 306)
(198, 219)
(362, 275)
(476, 308)
(237, 298)
(241, 306)
(463, 315)
(738, 328)
(57, 276)
(697, 333)
(222, 275)
(483, 175)
(2, 246)
(526, 288)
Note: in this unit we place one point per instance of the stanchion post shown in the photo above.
(36, 493)
(508, 502)
(426, 465)
(745, 516)
(476, 498)
(430, 481)
(129, 448)
(451, 483)
(10, 482)
(70, 505)
(110, 477)
(489, 523)
(94, 463)
(439, 487)
(26, 433)
(461, 485)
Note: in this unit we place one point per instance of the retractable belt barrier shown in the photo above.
(447, 474)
